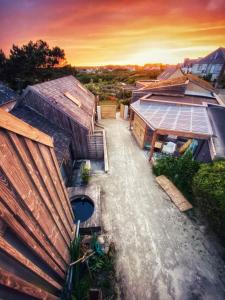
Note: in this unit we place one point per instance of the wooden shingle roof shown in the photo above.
(201, 82)
(6, 94)
(61, 138)
(63, 93)
(165, 83)
(181, 81)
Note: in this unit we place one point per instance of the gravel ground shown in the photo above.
(161, 252)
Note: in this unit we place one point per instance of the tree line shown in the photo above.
(33, 63)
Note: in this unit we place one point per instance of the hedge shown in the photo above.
(180, 170)
(209, 192)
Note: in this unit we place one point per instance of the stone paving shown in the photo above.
(161, 252)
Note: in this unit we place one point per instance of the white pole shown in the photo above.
(125, 112)
(99, 112)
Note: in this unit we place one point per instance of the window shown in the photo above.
(73, 98)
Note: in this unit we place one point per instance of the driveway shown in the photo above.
(161, 253)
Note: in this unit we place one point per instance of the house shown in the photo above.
(62, 140)
(7, 97)
(170, 73)
(187, 88)
(36, 218)
(188, 65)
(211, 66)
(175, 112)
(67, 104)
(158, 125)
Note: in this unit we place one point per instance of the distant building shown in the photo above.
(188, 64)
(211, 66)
(186, 88)
(170, 73)
(151, 68)
(179, 112)
(7, 97)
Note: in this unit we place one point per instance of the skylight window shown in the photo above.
(72, 98)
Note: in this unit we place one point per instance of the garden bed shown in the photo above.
(91, 272)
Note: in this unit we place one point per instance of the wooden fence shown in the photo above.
(122, 108)
(36, 219)
(108, 111)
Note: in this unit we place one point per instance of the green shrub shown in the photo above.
(209, 191)
(85, 174)
(180, 170)
(125, 102)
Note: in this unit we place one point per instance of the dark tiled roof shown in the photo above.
(54, 92)
(216, 57)
(217, 117)
(6, 94)
(61, 138)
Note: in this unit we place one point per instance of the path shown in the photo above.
(162, 253)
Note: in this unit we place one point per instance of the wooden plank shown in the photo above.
(3, 227)
(16, 173)
(56, 185)
(62, 183)
(106, 161)
(183, 134)
(14, 282)
(14, 253)
(122, 108)
(27, 238)
(51, 205)
(139, 128)
(154, 137)
(175, 195)
(12, 123)
(73, 98)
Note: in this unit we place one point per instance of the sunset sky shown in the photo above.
(99, 32)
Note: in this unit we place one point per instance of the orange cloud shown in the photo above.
(101, 32)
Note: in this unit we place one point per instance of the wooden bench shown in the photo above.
(175, 195)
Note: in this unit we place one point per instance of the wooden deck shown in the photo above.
(175, 195)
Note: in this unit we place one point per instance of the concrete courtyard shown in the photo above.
(161, 252)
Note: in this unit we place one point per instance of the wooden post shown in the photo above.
(152, 145)
(131, 116)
